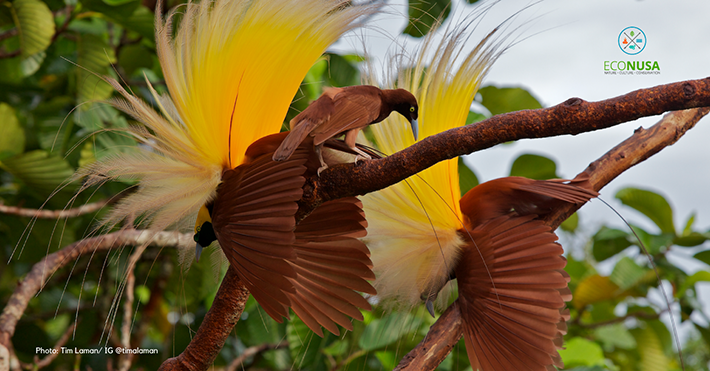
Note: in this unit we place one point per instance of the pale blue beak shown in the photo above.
(198, 251)
(415, 129)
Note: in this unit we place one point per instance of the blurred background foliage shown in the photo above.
(52, 121)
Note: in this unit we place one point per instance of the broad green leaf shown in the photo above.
(627, 273)
(387, 330)
(12, 136)
(94, 57)
(593, 289)
(140, 21)
(703, 256)
(700, 276)
(502, 100)
(30, 64)
(689, 224)
(341, 71)
(582, 352)
(134, 57)
(570, 224)
(41, 171)
(615, 336)
(305, 346)
(474, 117)
(650, 348)
(691, 239)
(534, 167)
(338, 348)
(313, 81)
(651, 204)
(608, 242)
(115, 11)
(467, 178)
(425, 14)
(35, 25)
(388, 359)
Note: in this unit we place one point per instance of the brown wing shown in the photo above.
(512, 306)
(526, 196)
(253, 218)
(353, 108)
(317, 114)
(331, 265)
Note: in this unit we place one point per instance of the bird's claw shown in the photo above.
(430, 307)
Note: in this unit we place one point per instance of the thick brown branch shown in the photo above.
(226, 310)
(641, 145)
(573, 116)
(28, 287)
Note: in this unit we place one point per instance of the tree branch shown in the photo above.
(55, 214)
(447, 330)
(574, 116)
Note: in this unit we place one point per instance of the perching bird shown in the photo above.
(421, 233)
(346, 111)
(224, 71)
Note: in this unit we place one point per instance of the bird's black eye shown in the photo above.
(412, 109)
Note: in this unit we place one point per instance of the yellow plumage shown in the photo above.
(231, 68)
(413, 225)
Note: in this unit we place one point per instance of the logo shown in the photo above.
(632, 40)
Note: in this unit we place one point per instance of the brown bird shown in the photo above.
(511, 282)
(346, 111)
(314, 267)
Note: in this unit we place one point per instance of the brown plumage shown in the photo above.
(314, 267)
(346, 111)
(513, 305)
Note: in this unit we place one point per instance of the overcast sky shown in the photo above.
(563, 47)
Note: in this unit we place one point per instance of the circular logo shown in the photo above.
(632, 40)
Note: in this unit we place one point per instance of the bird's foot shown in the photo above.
(322, 168)
(362, 158)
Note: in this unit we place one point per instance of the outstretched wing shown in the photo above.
(512, 293)
(253, 218)
(331, 265)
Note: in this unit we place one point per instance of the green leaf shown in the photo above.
(615, 336)
(94, 57)
(608, 242)
(700, 276)
(627, 273)
(594, 289)
(338, 348)
(650, 348)
(12, 137)
(471, 1)
(651, 204)
(534, 167)
(467, 178)
(474, 117)
(41, 171)
(341, 71)
(690, 240)
(689, 224)
(32, 63)
(388, 359)
(35, 24)
(704, 332)
(134, 57)
(703, 256)
(425, 14)
(502, 100)
(571, 223)
(582, 352)
(387, 330)
(304, 345)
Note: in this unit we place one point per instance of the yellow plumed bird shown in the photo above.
(231, 69)
(508, 268)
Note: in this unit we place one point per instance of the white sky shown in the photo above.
(562, 56)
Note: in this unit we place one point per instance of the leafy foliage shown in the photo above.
(43, 140)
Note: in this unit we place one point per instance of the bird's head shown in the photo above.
(406, 105)
(204, 233)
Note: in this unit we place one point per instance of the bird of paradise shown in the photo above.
(232, 68)
(508, 267)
